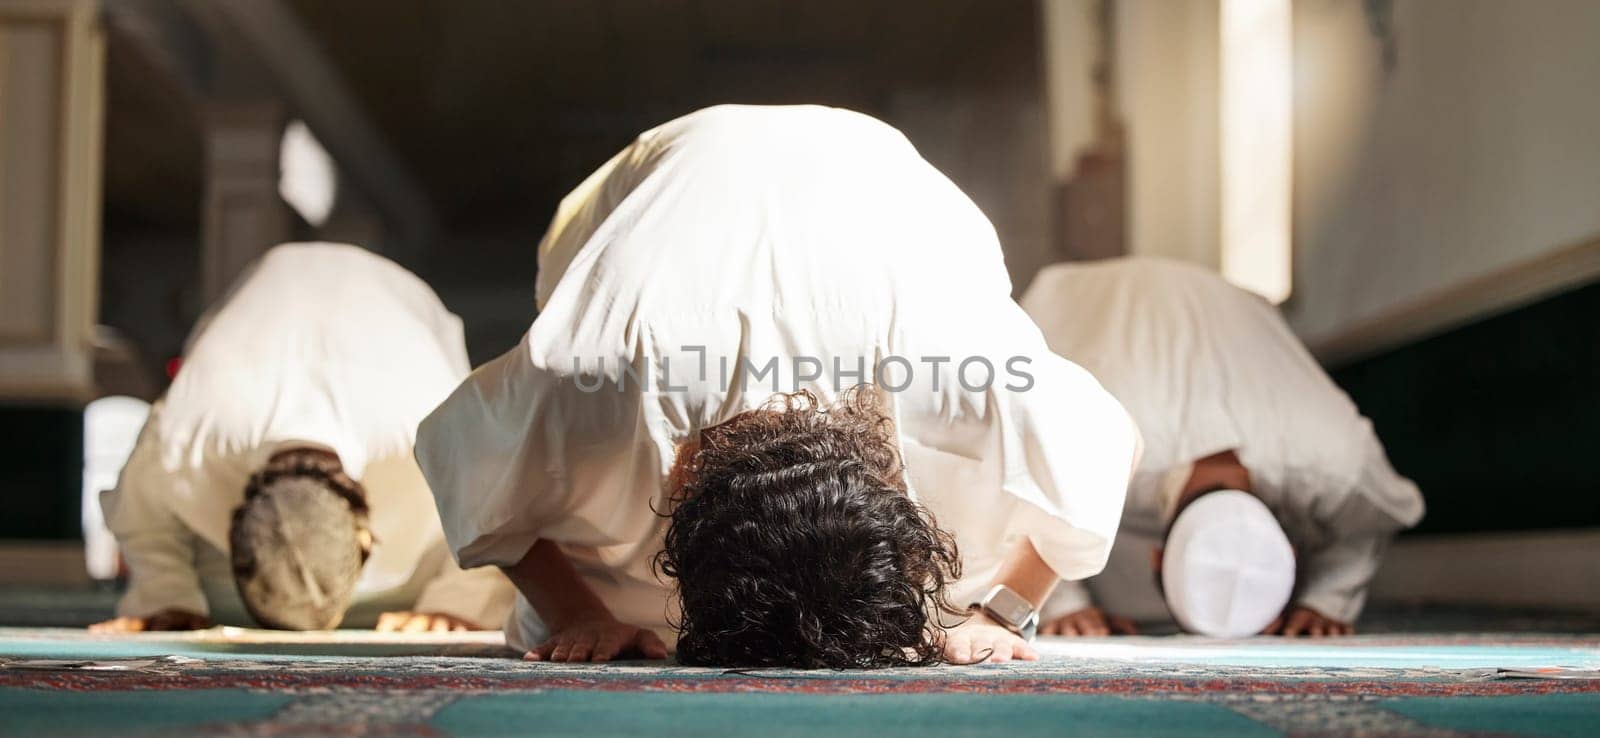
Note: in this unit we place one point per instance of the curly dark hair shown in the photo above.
(794, 543)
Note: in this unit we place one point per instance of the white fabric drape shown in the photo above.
(743, 235)
(1205, 367)
(325, 345)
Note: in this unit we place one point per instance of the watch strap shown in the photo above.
(1027, 628)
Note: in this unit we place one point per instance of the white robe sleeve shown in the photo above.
(1069, 449)
(520, 453)
(480, 596)
(1333, 578)
(157, 547)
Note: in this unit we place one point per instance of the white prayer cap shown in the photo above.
(1227, 569)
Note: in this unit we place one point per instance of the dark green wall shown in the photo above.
(1498, 421)
(41, 471)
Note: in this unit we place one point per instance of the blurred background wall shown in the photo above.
(1442, 140)
(1445, 194)
(1445, 173)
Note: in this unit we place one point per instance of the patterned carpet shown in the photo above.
(252, 683)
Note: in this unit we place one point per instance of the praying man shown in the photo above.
(274, 483)
(1264, 499)
(777, 408)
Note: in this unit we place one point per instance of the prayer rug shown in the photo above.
(238, 682)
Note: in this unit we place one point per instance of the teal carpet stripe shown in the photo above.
(1550, 716)
(838, 716)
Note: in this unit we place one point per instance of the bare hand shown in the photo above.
(1090, 621)
(423, 622)
(1302, 620)
(598, 641)
(169, 619)
(981, 639)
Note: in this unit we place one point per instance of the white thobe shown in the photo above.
(323, 345)
(738, 236)
(1206, 367)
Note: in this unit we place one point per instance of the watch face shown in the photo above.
(1010, 606)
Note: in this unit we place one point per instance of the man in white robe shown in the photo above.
(319, 350)
(722, 259)
(1226, 398)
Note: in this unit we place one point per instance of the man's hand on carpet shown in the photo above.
(982, 639)
(599, 641)
(170, 619)
(1301, 620)
(422, 622)
(1090, 621)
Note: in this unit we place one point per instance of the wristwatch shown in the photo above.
(1011, 610)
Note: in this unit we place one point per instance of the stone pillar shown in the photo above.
(243, 213)
(52, 102)
(1088, 138)
(1167, 83)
